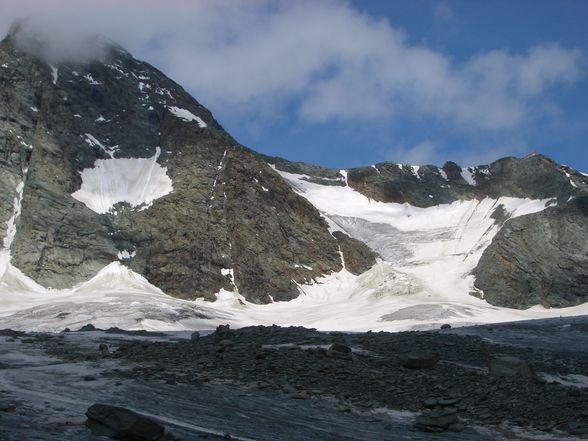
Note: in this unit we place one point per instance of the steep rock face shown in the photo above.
(541, 258)
(535, 177)
(358, 256)
(228, 222)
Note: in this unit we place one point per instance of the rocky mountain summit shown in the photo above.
(107, 160)
(196, 213)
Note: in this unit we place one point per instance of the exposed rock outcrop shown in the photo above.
(358, 256)
(229, 221)
(106, 159)
(541, 258)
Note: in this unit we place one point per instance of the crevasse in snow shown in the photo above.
(138, 181)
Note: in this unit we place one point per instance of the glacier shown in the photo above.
(422, 280)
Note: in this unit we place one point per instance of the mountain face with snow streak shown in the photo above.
(110, 161)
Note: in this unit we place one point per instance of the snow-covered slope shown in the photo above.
(210, 218)
(422, 280)
(116, 296)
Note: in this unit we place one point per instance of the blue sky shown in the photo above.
(460, 30)
(350, 83)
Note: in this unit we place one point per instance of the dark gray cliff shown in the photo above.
(535, 177)
(540, 258)
(228, 209)
(357, 255)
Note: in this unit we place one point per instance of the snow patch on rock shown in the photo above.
(126, 255)
(138, 181)
(54, 73)
(92, 142)
(91, 80)
(186, 115)
(11, 223)
(468, 176)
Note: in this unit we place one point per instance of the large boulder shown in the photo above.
(123, 424)
(437, 420)
(420, 360)
(509, 366)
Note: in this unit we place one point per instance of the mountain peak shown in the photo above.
(54, 44)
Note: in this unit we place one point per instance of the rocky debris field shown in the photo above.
(508, 382)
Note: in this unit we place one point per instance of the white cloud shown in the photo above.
(428, 152)
(425, 152)
(325, 60)
(490, 153)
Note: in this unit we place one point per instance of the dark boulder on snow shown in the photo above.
(338, 350)
(88, 327)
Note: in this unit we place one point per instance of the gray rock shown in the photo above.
(578, 428)
(437, 420)
(222, 332)
(11, 333)
(509, 366)
(338, 350)
(195, 336)
(358, 256)
(541, 258)
(430, 403)
(341, 348)
(535, 177)
(124, 424)
(218, 216)
(447, 401)
(420, 360)
(7, 408)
